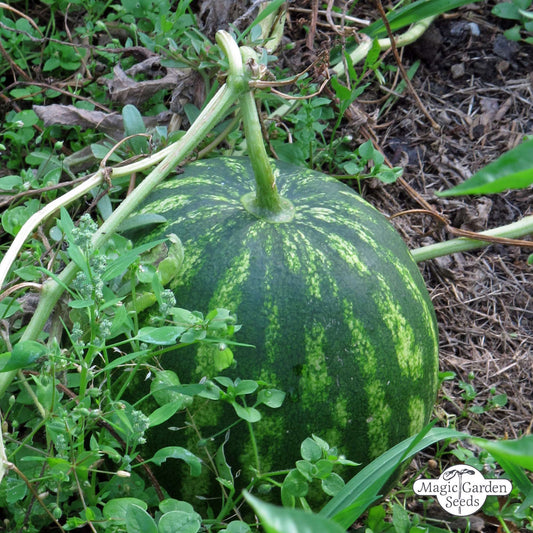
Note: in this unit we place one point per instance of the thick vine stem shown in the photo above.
(462, 244)
(266, 202)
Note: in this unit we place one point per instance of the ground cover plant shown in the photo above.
(71, 439)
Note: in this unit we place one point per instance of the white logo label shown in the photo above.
(461, 490)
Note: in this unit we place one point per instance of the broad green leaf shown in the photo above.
(119, 265)
(519, 451)
(15, 489)
(294, 486)
(280, 520)
(163, 336)
(23, 355)
(181, 521)
(273, 398)
(272, 7)
(170, 504)
(310, 450)
(412, 13)
(506, 10)
(166, 388)
(332, 484)
(236, 527)
(133, 125)
(177, 452)
(136, 222)
(163, 413)
(364, 487)
(245, 386)
(116, 509)
(512, 170)
(250, 414)
(139, 521)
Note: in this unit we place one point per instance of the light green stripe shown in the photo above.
(417, 414)
(229, 286)
(315, 381)
(348, 252)
(379, 420)
(166, 204)
(421, 299)
(408, 351)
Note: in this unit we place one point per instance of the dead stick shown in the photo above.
(405, 76)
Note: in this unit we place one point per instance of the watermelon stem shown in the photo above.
(514, 230)
(266, 202)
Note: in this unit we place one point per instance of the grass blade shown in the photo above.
(364, 487)
(413, 13)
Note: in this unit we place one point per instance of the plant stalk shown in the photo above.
(266, 202)
(462, 244)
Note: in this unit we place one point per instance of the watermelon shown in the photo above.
(330, 298)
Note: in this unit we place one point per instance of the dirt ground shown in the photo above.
(478, 88)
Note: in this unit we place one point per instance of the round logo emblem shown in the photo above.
(461, 490)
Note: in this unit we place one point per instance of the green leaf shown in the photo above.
(223, 358)
(170, 504)
(177, 452)
(400, 519)
(14, 218)
(250, 414)
(310, 450)
(15, 489)
(163, 336)
(164, 388)
(273, 398)
(412, 13)
(245, 386)
(332, 484)
(179, 521)
(133, 125)
(294, 486)
(519, 452)
(136, 222)
(163, 413)
(512, 170)
(139, 521)
(23, 355)
(364, 488)
(118, 266)
(272, 7)
(117, 508)
(236, 527)
(223, 468)
(506, 10)
(279, 520)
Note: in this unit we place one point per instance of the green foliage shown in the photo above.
(71, 441)
(519, 12)
(512, 170)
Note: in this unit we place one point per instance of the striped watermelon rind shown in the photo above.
(331, 299)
